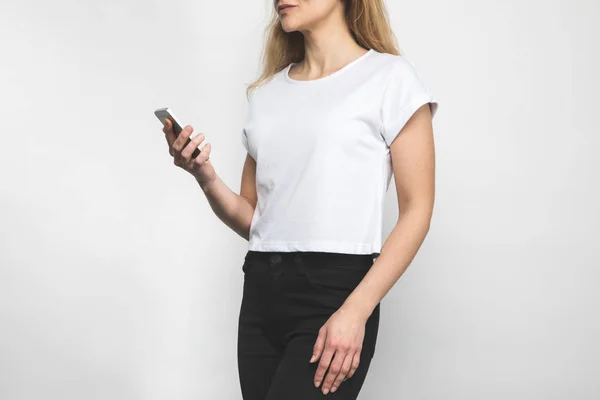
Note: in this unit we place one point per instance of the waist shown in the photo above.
(310, 257)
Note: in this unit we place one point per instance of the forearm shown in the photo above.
(396, 254)
(234, 210)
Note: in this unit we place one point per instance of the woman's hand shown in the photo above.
(341, 337)
(200, 167)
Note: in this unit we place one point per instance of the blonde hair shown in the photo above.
(368, 22)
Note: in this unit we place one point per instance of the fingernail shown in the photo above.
(312, 358)
(325, 391)
(188, 128)
(317, 383)
(333, 389)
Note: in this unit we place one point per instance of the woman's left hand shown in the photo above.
(340, 338)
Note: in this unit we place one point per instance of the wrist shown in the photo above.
(207, 185)
(358, 306)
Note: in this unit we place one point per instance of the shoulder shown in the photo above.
(404, 92)
(396, 66)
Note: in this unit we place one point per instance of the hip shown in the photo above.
(301, 283)
(290, 294)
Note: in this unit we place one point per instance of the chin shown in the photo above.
(286, 26)
(288, 29)
(289, 25)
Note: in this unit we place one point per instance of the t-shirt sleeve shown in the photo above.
(403, 95)
(246, 131)
(245, 139)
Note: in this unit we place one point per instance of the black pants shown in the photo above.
(287, 297)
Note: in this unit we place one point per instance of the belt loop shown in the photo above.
(275, 258)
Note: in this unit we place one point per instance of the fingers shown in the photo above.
(203, 156)
(169, 134)
(319, 345)
(338, 358)
(337, 372)
(182, 139)
(344, 371)
(187, 152)
(355, 363)
(323, 364)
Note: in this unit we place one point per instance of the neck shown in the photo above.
(328, 47)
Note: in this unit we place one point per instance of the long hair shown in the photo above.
(368, 22)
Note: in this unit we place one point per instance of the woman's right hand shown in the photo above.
(200, 167)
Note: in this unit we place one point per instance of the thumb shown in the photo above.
(319, 345)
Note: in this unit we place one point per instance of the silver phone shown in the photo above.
(165, 113)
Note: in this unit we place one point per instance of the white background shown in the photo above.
(118, 282)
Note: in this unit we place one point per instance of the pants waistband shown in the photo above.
(274, 257)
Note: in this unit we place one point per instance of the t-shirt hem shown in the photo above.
(331, 247)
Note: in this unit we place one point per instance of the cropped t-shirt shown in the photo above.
(321, 147)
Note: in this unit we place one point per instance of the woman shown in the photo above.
(336, 111)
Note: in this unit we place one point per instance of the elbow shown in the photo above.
(419, 217)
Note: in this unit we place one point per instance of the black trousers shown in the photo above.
(287, 297)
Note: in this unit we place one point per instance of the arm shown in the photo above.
(413, 160)
(234, 210)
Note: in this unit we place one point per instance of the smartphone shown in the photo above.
(165, 113)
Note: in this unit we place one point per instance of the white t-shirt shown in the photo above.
(321, 147)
